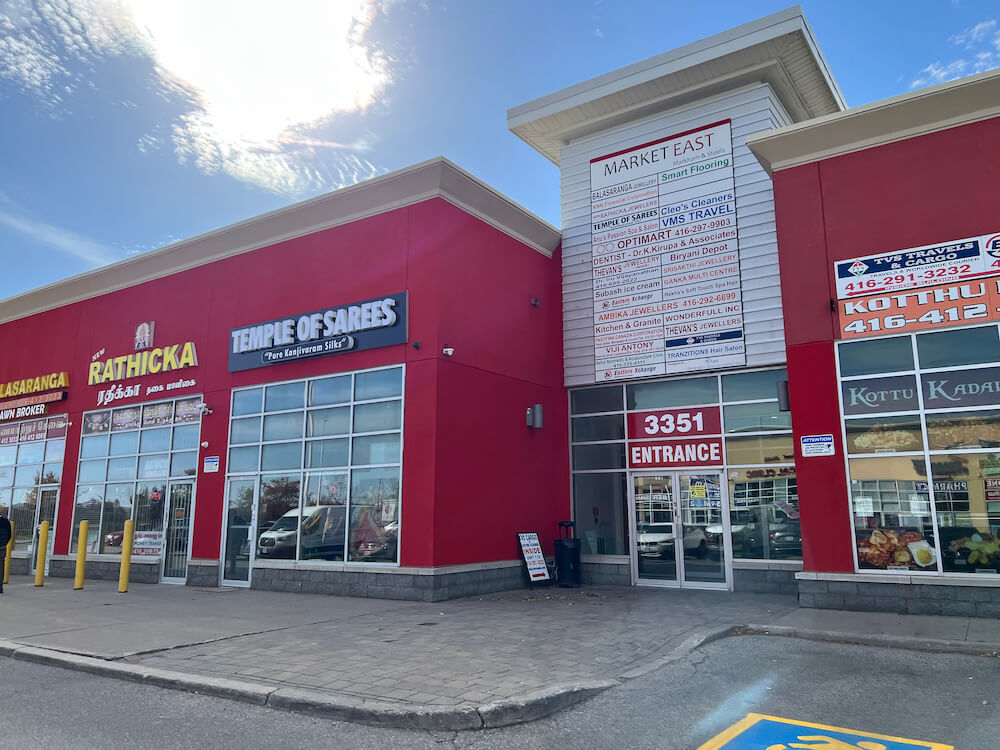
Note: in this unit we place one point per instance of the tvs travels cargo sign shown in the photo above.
(666, 271)
(933, 286)
(360, 325)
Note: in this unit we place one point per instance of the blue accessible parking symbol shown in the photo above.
(760, 732)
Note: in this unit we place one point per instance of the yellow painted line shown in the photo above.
(719, 741)
(734, 731)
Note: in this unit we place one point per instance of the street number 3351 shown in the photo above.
(667, 424)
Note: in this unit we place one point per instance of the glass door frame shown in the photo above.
(251, 532)
(675, 486)
(36, 530)
(170, 484)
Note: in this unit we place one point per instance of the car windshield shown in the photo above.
(285, 523)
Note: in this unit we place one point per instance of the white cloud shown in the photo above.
(63, 240)
(975, 34)
(262, 78)
(982, 39)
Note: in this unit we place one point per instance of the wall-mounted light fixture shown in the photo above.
(534, 416)
(535, 302)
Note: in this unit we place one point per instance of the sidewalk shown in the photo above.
(461, 664)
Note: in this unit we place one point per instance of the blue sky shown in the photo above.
(130, 124)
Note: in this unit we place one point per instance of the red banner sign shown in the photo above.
(670, 453)
(674, 423)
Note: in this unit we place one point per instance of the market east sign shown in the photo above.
(362, 325)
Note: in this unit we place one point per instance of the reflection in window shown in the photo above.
(763, 449)
(600, 509)
(967, 499)
(343, 512)
(965, 346)
(596, 400)
(763, 417)
(608, 427)
(667, 393)
(877, 355)
(892, 514)
(764, 513)
(752, 386)
(974, 429)
(884, 434)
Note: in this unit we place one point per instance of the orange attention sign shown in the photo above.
(940, 306)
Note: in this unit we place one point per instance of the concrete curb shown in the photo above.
(690, 644)
(934, 645)
(519, 709)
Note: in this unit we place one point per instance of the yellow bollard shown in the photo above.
(126, 557)
(6, 556)
(43, 548)
(81, 555)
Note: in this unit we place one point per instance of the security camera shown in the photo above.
(448, 351)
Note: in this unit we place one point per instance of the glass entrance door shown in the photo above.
(177, 526)
(239, 541)
(45, 510)
(681, 530)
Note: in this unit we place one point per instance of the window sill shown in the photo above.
(923, 579)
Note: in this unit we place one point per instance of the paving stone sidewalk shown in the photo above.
(459, 654)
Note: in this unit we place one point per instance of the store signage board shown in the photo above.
(962, 388)
(817, 445)
(353, 327)
(667, 423)
(760, 731)
(929, 287)
(666, 272)
(675, 453)
(210, 465)
(147, 543)
(877, 395)
(914, 268)
(531, 550)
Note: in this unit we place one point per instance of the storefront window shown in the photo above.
(905, 520)
(668, 393)
(871, 357)
(600, 509)
(758, 440)
(893, 526)
(752, 386)
(31, 455)
(967, 499)
(316, 502)
(126, 457)
(764, 513)
(760, 449)
(895, 434)
(965, 346)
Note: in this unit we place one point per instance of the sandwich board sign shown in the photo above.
(531, 550)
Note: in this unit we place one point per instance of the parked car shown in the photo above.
(783, 538)
(740, 521)
(657, 540)
(279, 541)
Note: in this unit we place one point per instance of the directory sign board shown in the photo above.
(666, 271)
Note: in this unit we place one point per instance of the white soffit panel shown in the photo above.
(929, 110)
(779, 49)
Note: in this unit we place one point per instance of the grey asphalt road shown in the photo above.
(947, 698)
